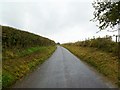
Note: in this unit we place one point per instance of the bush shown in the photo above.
(14, 38)
(15, 41)
(105, 44)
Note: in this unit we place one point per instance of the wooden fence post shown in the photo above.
(119, 55)
(116, 38)
(119, 40)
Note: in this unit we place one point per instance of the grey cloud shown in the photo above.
(54, 19)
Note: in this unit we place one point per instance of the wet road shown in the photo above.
(63, 70)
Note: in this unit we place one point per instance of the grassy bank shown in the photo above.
(106, 63)
(15, 69)
(21, 52)
(102, 43)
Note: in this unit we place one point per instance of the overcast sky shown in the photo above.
(60, 20)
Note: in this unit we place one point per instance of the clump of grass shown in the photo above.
(106, 63)
(7, 78)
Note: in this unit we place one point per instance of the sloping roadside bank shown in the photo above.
(22, 51)
(15, 69)
(103, 62)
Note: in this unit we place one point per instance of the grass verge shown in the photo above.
(15, 69)
(106, 63)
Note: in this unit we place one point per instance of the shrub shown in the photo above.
(105, 44)
(14, 38)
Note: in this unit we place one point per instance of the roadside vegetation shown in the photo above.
(105, 44)
(101, 53)
(22, 52)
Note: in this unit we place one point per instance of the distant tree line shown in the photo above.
(14, 38)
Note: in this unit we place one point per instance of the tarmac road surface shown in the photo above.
(63, 70)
